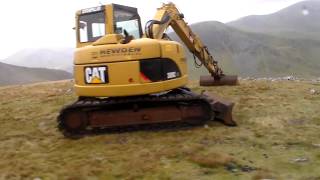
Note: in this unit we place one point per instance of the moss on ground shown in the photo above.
(277, 137)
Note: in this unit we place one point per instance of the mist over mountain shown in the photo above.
(300, 20)
(280, 44)
(11, 75)
(55, 58)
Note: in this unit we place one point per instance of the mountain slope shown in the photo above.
(253, 54)
(277, 138)
(300, 20)
(58, 58)
(10, 74)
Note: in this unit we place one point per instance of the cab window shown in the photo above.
(127, 19)
(91, 26)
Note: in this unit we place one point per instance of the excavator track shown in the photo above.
(177, 106)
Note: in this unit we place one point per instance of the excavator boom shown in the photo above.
(169, 15)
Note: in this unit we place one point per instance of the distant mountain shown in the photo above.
(11, 75)
(280, 44)
(59, 58)
(301, 20)
(253, 54)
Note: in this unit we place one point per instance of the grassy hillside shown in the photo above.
(10, 74)
(259, 55)
(300, 20)
(277, 138)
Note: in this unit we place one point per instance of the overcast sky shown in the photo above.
(48, 23)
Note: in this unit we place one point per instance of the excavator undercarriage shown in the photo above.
(179, 105)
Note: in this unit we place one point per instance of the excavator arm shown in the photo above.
(169, 15)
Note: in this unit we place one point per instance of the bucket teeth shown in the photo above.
(224, 80)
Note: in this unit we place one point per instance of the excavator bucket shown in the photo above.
(229, 80)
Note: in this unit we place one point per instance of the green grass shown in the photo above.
(278, 123)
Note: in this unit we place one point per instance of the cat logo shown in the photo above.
(96, 75)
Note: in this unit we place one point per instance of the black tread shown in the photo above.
(181, 95)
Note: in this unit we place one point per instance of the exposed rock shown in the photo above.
(69, 91)
(313, 91)
(247, 168)
(234, 167)
(301, 160)
(289, 78)
(316, 145)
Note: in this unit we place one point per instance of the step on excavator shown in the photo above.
(125, 76)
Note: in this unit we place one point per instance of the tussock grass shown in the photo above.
(263, 174)
(212, 160)
(278, 122)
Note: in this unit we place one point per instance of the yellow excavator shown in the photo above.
(125, 76)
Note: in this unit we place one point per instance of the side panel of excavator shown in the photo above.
(143, 66)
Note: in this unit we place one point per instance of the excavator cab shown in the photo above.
(94, 23)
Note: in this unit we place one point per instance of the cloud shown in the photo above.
(47, 23)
